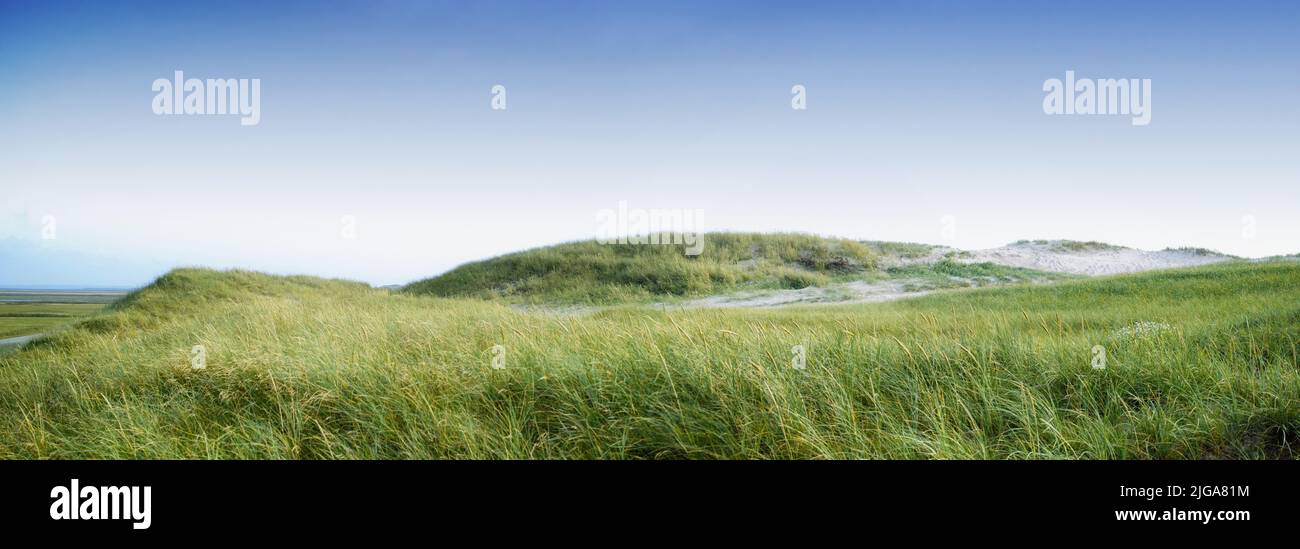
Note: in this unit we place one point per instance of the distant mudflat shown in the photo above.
(25, 313)
(59, 296)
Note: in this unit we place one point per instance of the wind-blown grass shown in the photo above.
(306, 368)
(947, 273)
(589, 272)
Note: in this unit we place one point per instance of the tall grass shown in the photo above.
(589, 272)
(307, 368)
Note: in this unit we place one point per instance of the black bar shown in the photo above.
(309, 499)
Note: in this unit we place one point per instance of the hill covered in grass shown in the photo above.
(590, 272)
(1199, 363)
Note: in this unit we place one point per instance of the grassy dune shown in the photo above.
(594, 274)
(1200, 363)
(589, 272)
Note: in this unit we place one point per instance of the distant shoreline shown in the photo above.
(93, 290)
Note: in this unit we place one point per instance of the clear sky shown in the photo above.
(380, 110)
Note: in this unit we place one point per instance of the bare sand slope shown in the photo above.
(1089, 258)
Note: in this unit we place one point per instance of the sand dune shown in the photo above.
(1051, 256)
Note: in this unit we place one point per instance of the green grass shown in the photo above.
(1073, 245)
(947, 273)
(307, 368)
(909, 250)
(17, 319)
(593, 273)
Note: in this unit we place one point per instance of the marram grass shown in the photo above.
(307, 368)
(594, 273)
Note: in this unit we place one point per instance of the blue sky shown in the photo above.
(381, 111)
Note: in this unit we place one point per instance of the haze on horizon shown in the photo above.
(380, 112)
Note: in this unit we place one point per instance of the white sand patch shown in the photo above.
(1055, 256)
